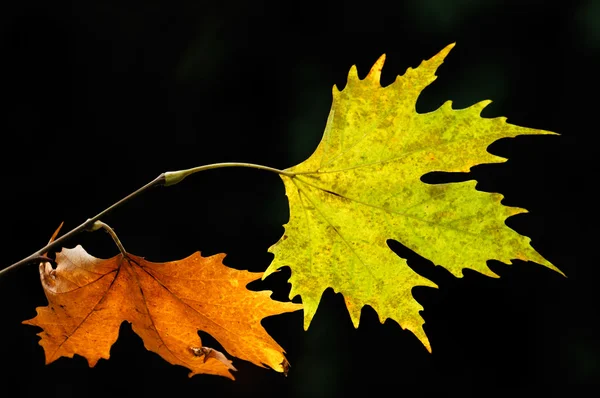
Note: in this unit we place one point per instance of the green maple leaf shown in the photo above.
(362, 187)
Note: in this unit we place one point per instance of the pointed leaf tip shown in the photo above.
(375, 73)
(446, 50)
(435, 61)
(353, 73)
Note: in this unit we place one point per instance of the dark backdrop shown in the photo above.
(99, 97)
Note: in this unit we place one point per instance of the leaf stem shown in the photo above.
(164, 179)
(174, 177)
(99, 224)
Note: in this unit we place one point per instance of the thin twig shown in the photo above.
(82, 227)
(165, 179)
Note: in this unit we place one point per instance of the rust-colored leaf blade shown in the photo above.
(166, 303)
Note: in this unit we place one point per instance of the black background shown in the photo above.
(100, 97)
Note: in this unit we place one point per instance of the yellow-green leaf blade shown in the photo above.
(362, 186)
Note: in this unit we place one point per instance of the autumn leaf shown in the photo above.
(166, 304)
(362, 187)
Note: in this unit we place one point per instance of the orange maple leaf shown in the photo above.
(166, 304)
